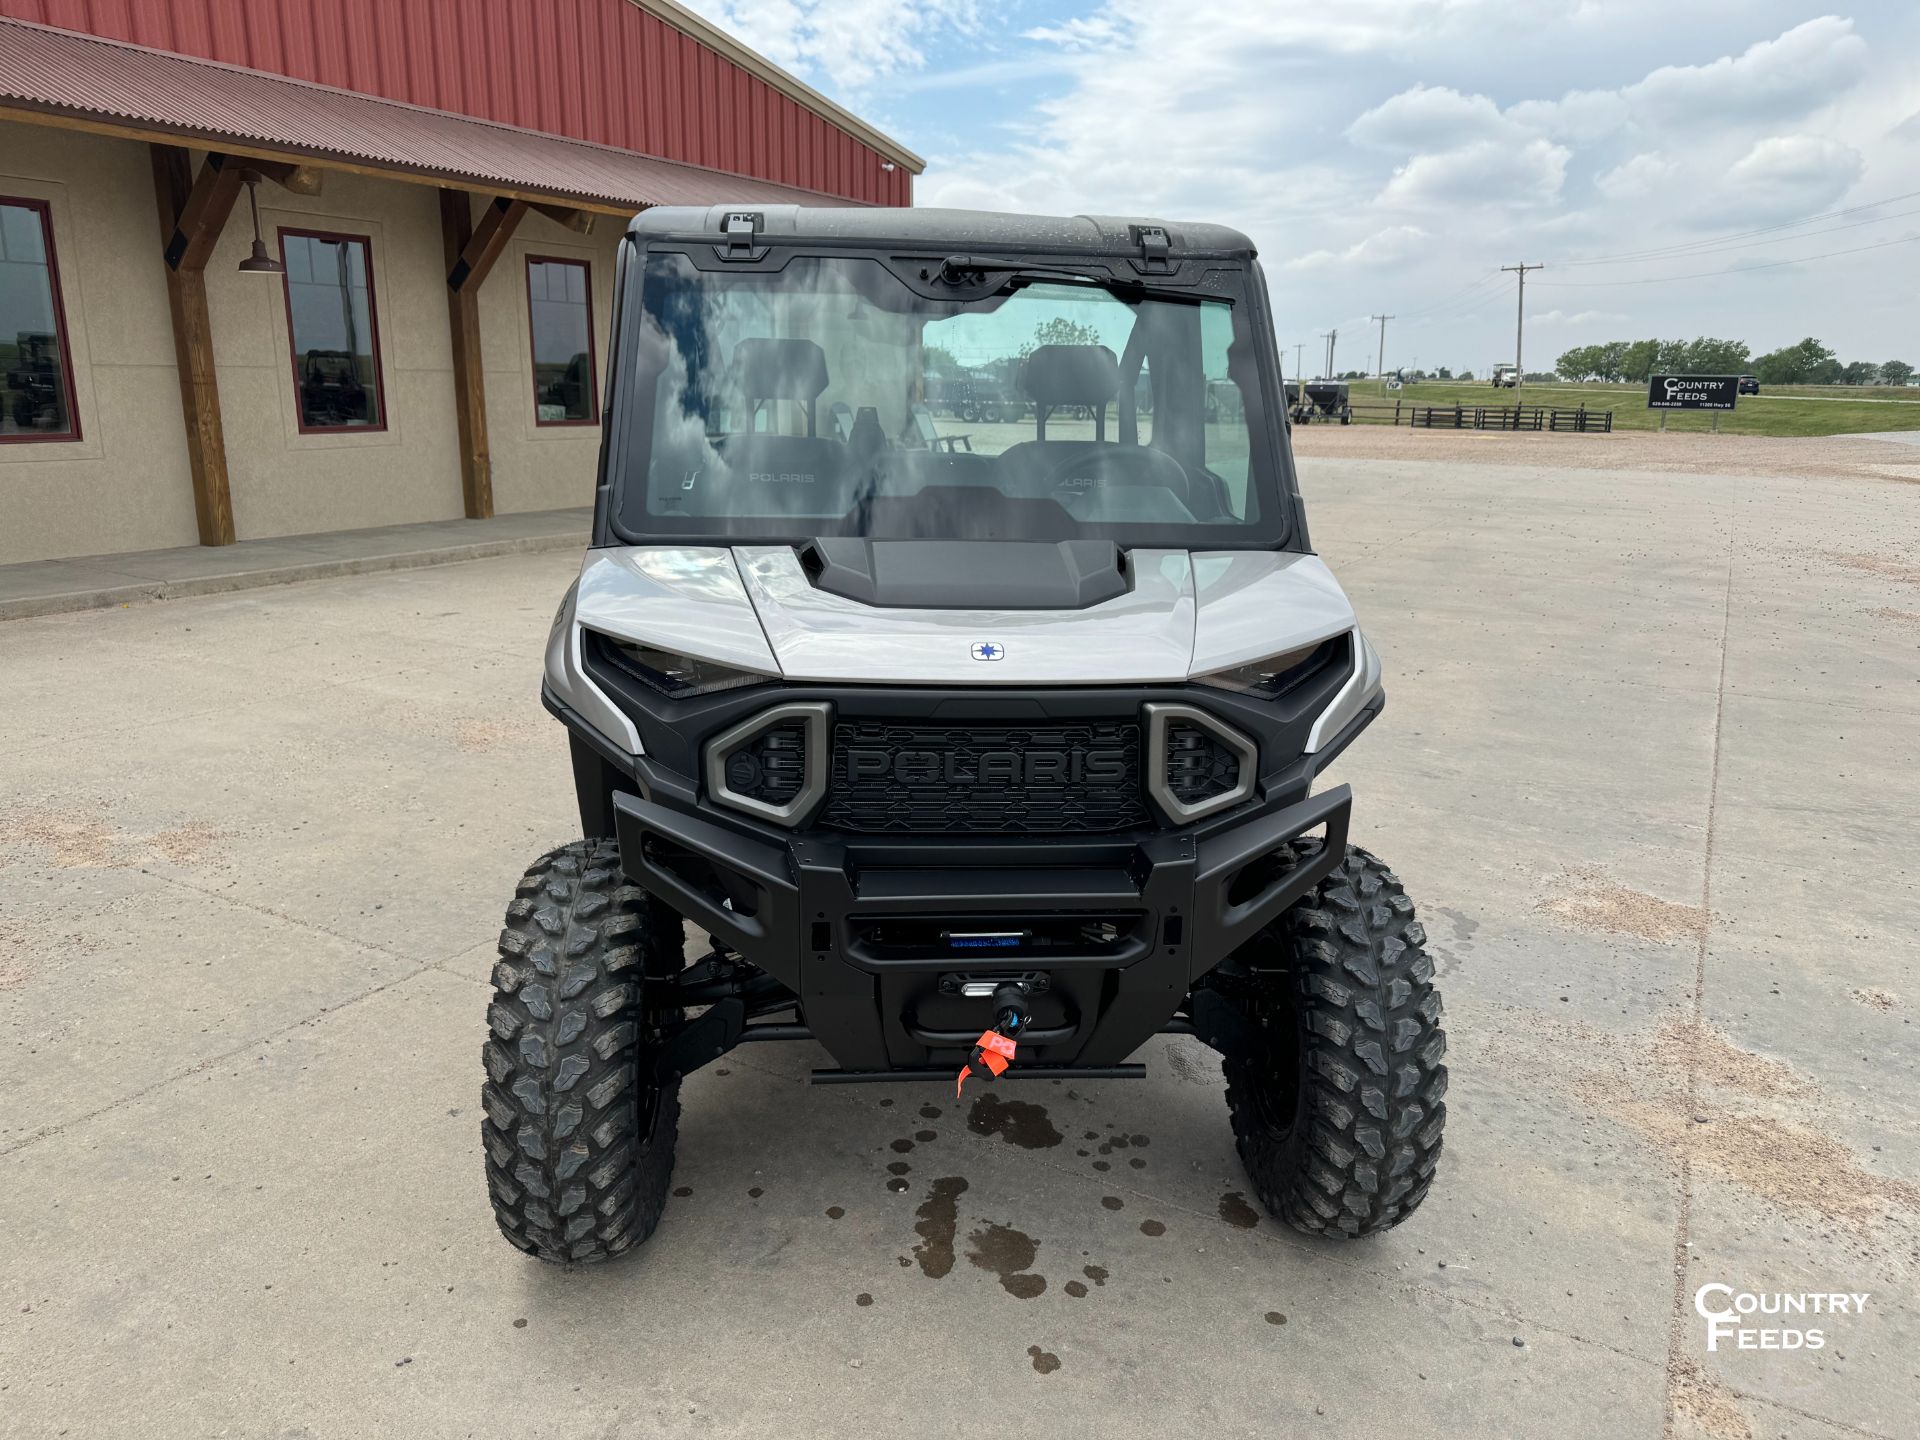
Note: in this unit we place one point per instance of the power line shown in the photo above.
(1520, 322)
(1380, 364)
(1730, 270)
(1712, 241)
(1703, 247)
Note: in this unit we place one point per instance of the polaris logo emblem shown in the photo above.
(988, 650)
(990, 767)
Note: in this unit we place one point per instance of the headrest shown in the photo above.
(1070, 375)
(771, 369)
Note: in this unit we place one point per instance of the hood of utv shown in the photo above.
(756, 608)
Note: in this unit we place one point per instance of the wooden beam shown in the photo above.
(174, 188)
(469, 376)
(468, 270)
(579, 221)
(203, 214)
(293, 178)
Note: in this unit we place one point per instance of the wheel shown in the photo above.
(1346, 415)
(578, 1134)
(1336, 1104)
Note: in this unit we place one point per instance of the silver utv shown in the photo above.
(945, 731)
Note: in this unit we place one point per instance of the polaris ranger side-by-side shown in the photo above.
(974, 762)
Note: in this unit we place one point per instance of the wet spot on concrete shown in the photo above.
(683, 1191)
(1045, 1361)
(937, 1219)
(924, 1136)
(1274, 1317)
(1120, 1142)
(902, 1145)
(1235, 1211)
(1106, 1149)
(1112, 1202)
(755, 1193)
(834, 1212)
(863, 1298)
(898, 1167)
(723, 1070)
(1018, 1122)
(1101, 1165)
(1083, 1153)
(521, 1323)
(897, 1185)
(1077, 1289)
(1010, 1254)
(1140, 1140)
(1091, 1135)
(884, 1104)
(1095, 1273)
(1137, 1163)
(929, 1112)
(1152, 1227)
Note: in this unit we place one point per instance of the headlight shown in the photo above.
(1275, 675)
(679, 677)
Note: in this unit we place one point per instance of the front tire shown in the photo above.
(1336, 1098)
(579, 1134)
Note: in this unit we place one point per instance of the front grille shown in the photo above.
(1081, 778)
(1199, 767)
(772, 766)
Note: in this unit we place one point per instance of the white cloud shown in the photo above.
(848, 43)
(1483, 174)
(1384, 247)
(1551, 319)
(1429, 117)
(1637, 178)
(1786, 176)
(1772, 81)
(1385, 152)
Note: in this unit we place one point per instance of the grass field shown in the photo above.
(1797, 410)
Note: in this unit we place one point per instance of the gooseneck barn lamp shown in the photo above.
(259, 262)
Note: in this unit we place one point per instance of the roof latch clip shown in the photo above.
(741, 228)
(1156, 250)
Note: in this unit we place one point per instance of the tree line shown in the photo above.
(1806, 363)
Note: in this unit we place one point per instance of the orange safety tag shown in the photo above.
(992, 1054)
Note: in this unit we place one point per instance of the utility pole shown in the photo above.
(1330, 336)
(1380, 365)
(1299, 346)
(1519, 326)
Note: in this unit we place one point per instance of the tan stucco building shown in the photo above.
(426, 339)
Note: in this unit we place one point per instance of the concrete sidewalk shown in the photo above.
(98, 582)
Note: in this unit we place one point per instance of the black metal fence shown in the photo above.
(1580, 420)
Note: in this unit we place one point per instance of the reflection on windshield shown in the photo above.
(828, 399)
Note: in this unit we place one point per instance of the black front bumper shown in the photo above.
(874, 937)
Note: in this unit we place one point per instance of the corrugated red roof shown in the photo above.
(207, 103)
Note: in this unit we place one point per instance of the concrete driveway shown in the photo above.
(1651, 767)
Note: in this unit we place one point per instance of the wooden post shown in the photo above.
(174, 190)
(470, 253)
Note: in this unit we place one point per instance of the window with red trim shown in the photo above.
(37, 403)
(334, 330)
(560, 320)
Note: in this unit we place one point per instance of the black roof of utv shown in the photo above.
(957, 229)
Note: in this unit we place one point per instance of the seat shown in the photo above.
(766, 369)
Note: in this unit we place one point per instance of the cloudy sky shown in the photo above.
(1389, 155)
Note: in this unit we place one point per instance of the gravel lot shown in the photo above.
(1649, 766)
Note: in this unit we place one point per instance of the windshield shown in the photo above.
(827, 398)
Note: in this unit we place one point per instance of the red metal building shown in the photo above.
(367, 135)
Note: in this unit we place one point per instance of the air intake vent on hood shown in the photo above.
(967, 574)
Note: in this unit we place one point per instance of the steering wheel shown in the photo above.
(1084, 471)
